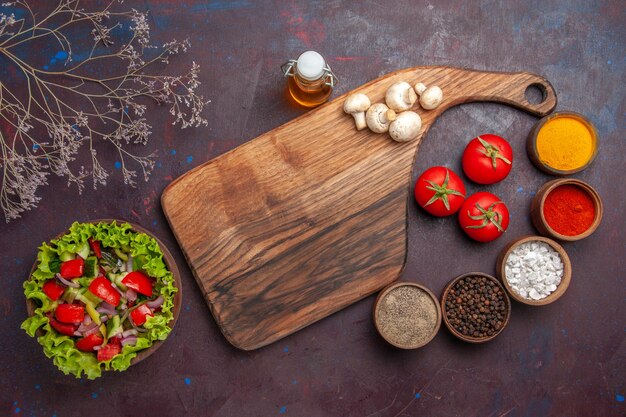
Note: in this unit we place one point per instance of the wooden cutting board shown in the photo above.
(310, 217)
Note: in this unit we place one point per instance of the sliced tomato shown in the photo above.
(102, 288)
(87, 343)
(70, 313)
(139, 282)
(53, 289)
(140, 314)
(73, 268)
(95, 247)
(63, 328)
(117, 340)
(108, 352)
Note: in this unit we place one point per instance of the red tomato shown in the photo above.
(484, 217)
(108, 352)
(487, 159)
(73, 268)
(53, 289)
(140, 314)
(117, 340)
(439, 191)
(66, 329)
(102, 288)
(87, 343)
(139, 282)
(95, 247)
(70, 313)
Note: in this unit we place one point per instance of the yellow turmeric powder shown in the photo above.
(565, 143)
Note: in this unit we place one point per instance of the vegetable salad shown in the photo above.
(103, 293)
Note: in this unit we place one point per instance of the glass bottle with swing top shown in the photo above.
(310, 81)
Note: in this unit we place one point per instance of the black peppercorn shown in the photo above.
(476, 307)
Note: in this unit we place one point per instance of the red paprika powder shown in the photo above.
(569, 210)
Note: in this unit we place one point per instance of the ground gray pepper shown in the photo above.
(407, 316)
(476, 307)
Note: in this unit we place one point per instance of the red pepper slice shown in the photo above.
(108, 352)
(70, 313)
(139, 282)
(53, 289)
(66, 329)
(95, 247)
(87, 343)
(140, 314)
(73, 268)
(102, 288)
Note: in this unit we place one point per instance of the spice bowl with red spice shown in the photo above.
(566, 209)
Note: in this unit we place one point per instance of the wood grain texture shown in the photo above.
(310, 217)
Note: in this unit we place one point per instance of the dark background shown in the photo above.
(565, 359)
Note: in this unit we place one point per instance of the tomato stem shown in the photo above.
(442, 191)
(487, 216)
(492, 152)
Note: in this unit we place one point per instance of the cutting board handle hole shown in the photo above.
(536, 93)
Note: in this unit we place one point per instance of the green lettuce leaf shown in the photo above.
(62, 348)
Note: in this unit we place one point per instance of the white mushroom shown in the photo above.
(406, 127)
(431, 97)
(356, 105)
(379, 117)
(400, 96)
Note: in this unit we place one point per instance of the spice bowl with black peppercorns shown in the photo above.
(475, 307)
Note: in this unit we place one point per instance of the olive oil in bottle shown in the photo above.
(310, 81)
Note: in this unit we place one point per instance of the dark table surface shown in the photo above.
(565, 359)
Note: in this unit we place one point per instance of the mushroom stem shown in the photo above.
(410, 96)
(419, 88)
(389, 116)
(359, 120)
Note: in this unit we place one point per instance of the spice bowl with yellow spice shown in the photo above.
(563, 143)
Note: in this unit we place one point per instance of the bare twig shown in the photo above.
(44, 130)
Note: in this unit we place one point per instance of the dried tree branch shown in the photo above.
(43, 131)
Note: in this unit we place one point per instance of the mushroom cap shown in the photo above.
(377, 118)
(406, 127)
(431, 97)
(400, 96)
(356, 103)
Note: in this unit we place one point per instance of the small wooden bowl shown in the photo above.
(461, 336)
(560, 289)
(539, 220)
(169, 262)
(531, 143)
(384, 293)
